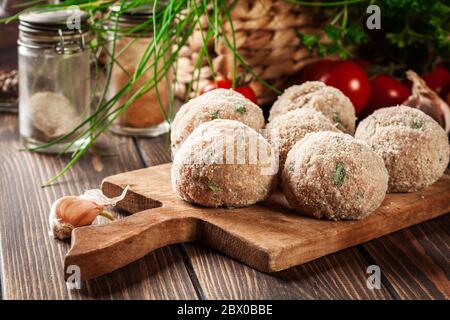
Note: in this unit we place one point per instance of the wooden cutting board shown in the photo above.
(268, 236)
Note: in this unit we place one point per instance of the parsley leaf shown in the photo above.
(339, 173)
(242, 110)
(215, 115)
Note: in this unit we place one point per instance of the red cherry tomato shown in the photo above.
(246, 91)
(363, 63)
(386, 92)
(351, 79)
(316, 70)
(438, 79)
(220, 83)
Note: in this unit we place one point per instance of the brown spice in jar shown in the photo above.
(145, 111)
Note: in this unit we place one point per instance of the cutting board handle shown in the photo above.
(100, 249)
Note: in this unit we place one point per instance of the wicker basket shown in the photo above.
(265, 33)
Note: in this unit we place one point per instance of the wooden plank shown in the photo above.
(338, 276)
(415, 261)
(267, 236)
(341, 275)
(32, 262)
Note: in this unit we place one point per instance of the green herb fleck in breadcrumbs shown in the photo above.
(242, 110)
(416, 124)
(339, 139)
(359, 195)
(214, 187)
(338, 176)
(215, 115)
(337, 118)
(291, 166)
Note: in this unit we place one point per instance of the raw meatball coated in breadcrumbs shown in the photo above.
(215, 104)
(334, 176)
(413, 146)
(224, 163)
(284, 131)
(317, 95)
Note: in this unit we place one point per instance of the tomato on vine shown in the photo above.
(246, 91)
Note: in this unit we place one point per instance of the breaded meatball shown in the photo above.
(413, 146)
(224, 163)
(334, 176)
(316, 95)
(285, 130)
(215, 104)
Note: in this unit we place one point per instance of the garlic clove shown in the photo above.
(428, 101)
(97, 196)
(71, 212)
(77, 212)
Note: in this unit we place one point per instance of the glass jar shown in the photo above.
(146, 116)
(54, 78)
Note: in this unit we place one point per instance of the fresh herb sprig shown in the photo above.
(172, 27)
(414, 33)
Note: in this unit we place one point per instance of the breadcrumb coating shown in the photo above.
(316, 95)
(333, 176)
(215, 104)
(413, 146)
(224, 163)
(285, 130)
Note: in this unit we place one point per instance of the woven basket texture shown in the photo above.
(265, 36)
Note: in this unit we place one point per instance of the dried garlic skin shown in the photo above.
(413, 146)
(62, 230)
(428, 101)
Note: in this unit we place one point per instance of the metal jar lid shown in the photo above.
(130, 22)
(65, 30)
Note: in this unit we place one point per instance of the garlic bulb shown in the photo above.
(71, 212)
(428, 101)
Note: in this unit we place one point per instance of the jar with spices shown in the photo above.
(54, 78)
(128, 41)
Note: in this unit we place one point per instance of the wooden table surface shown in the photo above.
(414, 262)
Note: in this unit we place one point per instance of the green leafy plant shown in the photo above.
(414, 33)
